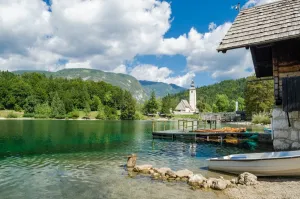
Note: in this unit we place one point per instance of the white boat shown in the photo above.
(285, 163)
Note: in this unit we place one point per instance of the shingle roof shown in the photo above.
(264, 24)
(183, 104)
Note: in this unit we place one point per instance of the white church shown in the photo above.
(185, 107)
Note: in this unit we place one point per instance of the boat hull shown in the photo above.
(265, 167)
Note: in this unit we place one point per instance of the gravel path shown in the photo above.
(279, 188)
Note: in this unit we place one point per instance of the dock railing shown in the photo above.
(182, 125)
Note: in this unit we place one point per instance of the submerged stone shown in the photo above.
(184, 173)
(131, 161)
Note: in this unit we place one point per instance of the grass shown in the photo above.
(261, 118)
(10, 114)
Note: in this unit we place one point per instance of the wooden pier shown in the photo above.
(221, 137)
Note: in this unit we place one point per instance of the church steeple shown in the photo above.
(193, 96)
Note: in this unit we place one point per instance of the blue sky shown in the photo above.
(167, 41)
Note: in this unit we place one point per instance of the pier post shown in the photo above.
(153, 127)
(164, 125)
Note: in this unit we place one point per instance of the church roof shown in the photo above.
(183, 104)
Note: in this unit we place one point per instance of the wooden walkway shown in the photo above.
(210, 137)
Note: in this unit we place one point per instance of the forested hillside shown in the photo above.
(220, 94)
(123, 81)
(252, 96)
(43, 97)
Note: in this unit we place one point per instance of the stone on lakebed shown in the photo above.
(143, 168)
(184, 173)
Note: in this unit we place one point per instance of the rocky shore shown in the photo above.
(245, 186)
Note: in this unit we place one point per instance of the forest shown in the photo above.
(253, 97)
(47, 97)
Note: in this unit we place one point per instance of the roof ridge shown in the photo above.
(267, 4)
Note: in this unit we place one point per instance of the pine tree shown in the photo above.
(128, 107)
(151, 106)
(101, 114)
(58, 107)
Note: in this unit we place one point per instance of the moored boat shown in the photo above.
(284, 163)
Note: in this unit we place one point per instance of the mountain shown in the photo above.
(161, 89)
(123, 81)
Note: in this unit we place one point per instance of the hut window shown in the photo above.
(291, 94)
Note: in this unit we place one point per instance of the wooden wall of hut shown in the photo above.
(286, 63)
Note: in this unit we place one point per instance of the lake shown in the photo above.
(82, 159)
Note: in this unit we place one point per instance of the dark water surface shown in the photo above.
(81, 159)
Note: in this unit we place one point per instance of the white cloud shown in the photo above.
(106, 34)
(202, 56)
(251, 3)
(212, 26)
(163, 74)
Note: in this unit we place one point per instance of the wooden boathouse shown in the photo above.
(272, 33)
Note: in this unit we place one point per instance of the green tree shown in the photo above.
(87, 109)
(259, 96)
(166, 104)
(95, 103)
(151, 106)
(128, 107)
(42, 110)
(30, 103)
(101, 114)
(241, 102)
(58, 107)
(215, 108)
(222, 102)
(231, 106)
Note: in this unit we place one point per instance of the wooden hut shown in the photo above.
(272, 33)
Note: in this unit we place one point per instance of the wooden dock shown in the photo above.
(221, 137)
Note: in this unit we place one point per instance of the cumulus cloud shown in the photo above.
(107, 34)
(97, 34)
(163, 74)
(251, 3)
(201, 54)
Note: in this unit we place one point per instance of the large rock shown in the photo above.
(219, 184)
(171, 174)
(196, 180)
(131, 161)
(184, 173)
(247, 179)
(162, 171)
(143, 168)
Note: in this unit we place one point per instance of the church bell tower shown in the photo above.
(193, 96)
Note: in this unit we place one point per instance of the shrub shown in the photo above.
(28, 115)
(2, 107)
(40, 116)
(17, 108)
(261, 118)
(138, 116)
(42, 110)
(74, 114)
(12, 115)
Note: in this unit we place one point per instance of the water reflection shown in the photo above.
(80, 159)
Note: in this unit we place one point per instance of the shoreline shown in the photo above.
(246, 123)
(268, 188)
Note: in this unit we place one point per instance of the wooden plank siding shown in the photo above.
(286, 63)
